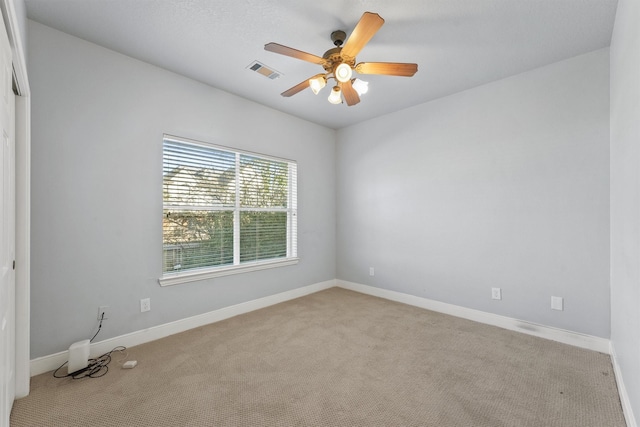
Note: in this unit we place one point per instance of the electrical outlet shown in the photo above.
(103, 310)
(496, 293)
(371, 271)
(557, 303)
(145, 305)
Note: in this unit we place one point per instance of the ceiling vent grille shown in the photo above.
(268, 72)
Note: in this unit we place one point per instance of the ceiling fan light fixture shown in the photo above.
(343, 73)
(339, 63)
(317, 83)
(335, 97)
(360, 86)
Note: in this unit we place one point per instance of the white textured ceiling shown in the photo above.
(457, 44)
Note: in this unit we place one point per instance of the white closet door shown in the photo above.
(7, 231)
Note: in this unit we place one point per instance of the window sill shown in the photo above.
(203, 274)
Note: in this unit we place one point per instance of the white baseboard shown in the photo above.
(589, 342)
(622, 391)
(48, 363)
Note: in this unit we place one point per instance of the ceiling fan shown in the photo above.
(340, 62)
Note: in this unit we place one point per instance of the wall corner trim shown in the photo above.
(576, 339)
(50, 362)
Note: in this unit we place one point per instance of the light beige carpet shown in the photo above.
(338, 358)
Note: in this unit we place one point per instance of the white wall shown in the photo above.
(505, 185)
(625, 197)
(98, 118)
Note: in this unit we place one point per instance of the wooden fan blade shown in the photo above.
(368, 25)
(297, 88)
(294, 53)
(349, 93)
(387, 68)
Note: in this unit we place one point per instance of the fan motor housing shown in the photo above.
(334, 58)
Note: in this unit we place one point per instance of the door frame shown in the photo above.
(22, 193)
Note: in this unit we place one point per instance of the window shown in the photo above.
(225, 211)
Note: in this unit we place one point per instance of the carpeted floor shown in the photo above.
(337, 358)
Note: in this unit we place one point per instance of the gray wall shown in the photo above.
(98, 118)
(505, 185)
(625, 196)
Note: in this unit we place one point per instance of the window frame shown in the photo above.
(203, 273)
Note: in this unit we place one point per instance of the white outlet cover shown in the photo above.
(496, 293)
(557, 303)
(103, 309)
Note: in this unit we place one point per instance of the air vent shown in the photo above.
(259, 67)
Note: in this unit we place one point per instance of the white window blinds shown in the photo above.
(224, 208)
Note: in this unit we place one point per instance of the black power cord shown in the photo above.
(97, 367)
(99, 327)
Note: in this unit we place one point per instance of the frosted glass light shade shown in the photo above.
(317, 83)
(335, 97)
(360, 86)
(343, 72)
